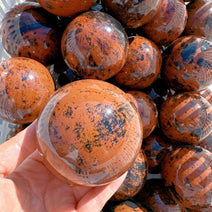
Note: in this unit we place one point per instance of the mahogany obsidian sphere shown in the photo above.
(95, 45)
(135, 179)
(187, 173)
(186, 118)
(155, 195)
(168, 23)
(142, 66)
(25, 87)
(131, 13)
(89, 133)
(199, 18)
(66, 8)
(30, 31)
(188, 64)
(126, 206)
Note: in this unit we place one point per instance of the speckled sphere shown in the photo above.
(66, 7)
(132, 13)
(29, 31)
(135, 180)
(147, 110)
(127, 206)
(187, 173)
(95, 45)
(142, 66)
(168, 23)
(186, 118)
(199, 18)
(188, 65)
(25, 87)
(154, 193)
(156, 146)
(89, 133)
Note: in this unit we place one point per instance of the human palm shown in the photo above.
(27, 185)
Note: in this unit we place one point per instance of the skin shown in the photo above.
(27, 185)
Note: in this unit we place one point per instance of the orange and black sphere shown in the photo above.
(25, 87)
(95, 45)
(186, 118)
(187, 173)
(30, 31)
(89, 133)
(66, 7)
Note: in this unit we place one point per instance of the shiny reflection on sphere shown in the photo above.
(187, 173)
(95, 45)
(188, 64)
(131, 13)
(199, 19)
(30, 31)
(25, 86)
(186, 118)
(66, 8)
(89, 133)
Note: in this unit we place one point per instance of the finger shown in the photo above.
(95, 199)
(14, 151)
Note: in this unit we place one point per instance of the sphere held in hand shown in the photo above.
(89, 133)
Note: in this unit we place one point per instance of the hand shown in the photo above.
(27, 185)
